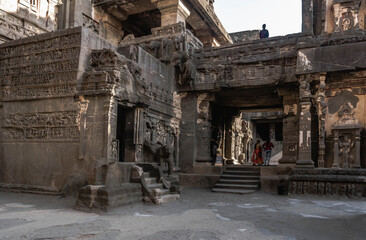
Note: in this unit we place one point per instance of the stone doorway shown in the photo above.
(239, 121)
(125, 133)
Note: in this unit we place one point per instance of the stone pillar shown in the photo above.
(83, 110)
(227, 138)
(203, 128)
(307, 16)
(172, 11)
(322, 111)
(357, 163)
(188, 140)
(139, 135)
(335, 150)
(304, 158)
(290, 126)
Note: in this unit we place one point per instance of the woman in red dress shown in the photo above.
(257, 154)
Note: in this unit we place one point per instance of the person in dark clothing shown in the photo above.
(264, 32)
(214, 147)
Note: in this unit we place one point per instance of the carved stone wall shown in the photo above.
(43, 119)
(247, 64)
(19, 19)
(328, 182)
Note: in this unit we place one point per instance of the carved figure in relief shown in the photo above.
(133, 53)
(114, 148)
(345, 146)
(346, 21)
(161, 143)
(154, 46)
(166, 52)
(304, 88)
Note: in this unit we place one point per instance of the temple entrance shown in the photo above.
(239, 121)
(125, 131)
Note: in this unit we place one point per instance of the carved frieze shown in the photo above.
(42, 69)
(42, 126)
(62, 42)
(41, 79)
(38, 92)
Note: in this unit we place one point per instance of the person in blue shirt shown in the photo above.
(264, 32)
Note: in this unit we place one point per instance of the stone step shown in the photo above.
(150, 180)
(236, 186)
(251, 168)
(155, 185)
(167, 198)
(237, 172)
(243, 177)
(225, 190)
(235, 181)
(146, 174)
(160, 192)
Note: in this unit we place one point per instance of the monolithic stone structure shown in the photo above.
(129, 93)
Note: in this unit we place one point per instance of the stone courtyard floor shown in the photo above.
(198, 215)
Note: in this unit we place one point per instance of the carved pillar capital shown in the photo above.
(172, 11)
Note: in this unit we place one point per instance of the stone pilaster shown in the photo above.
(188, 131)
(203, 128)
(290, 126)
(172, 11)
(139, 136)
(322, 111)
(304, 159)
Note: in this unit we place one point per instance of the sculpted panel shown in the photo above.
(38, 126)
(40, 69)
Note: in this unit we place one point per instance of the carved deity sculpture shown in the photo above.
(345, 146)
(304, 88)
(161, 143)
(346, 133)
(346, 22)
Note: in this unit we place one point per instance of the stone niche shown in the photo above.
(347, 134)
(348, 14)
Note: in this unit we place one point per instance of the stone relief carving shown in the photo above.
(346, 139)
(115, 148)
(304, 88)
(90, 23)
(346, 14)
(38, 66)
(345, 146)
(322, 111)
(160, 140)
(58, 125)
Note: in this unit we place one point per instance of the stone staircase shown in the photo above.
(239, 179)
(158, 192)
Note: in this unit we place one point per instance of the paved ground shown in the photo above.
(198, 215)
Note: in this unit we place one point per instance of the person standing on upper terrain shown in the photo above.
(264, 32)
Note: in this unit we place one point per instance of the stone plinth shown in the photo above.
(328, 182)
(103, 197)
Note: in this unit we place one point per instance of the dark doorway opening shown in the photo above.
(125, 132)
